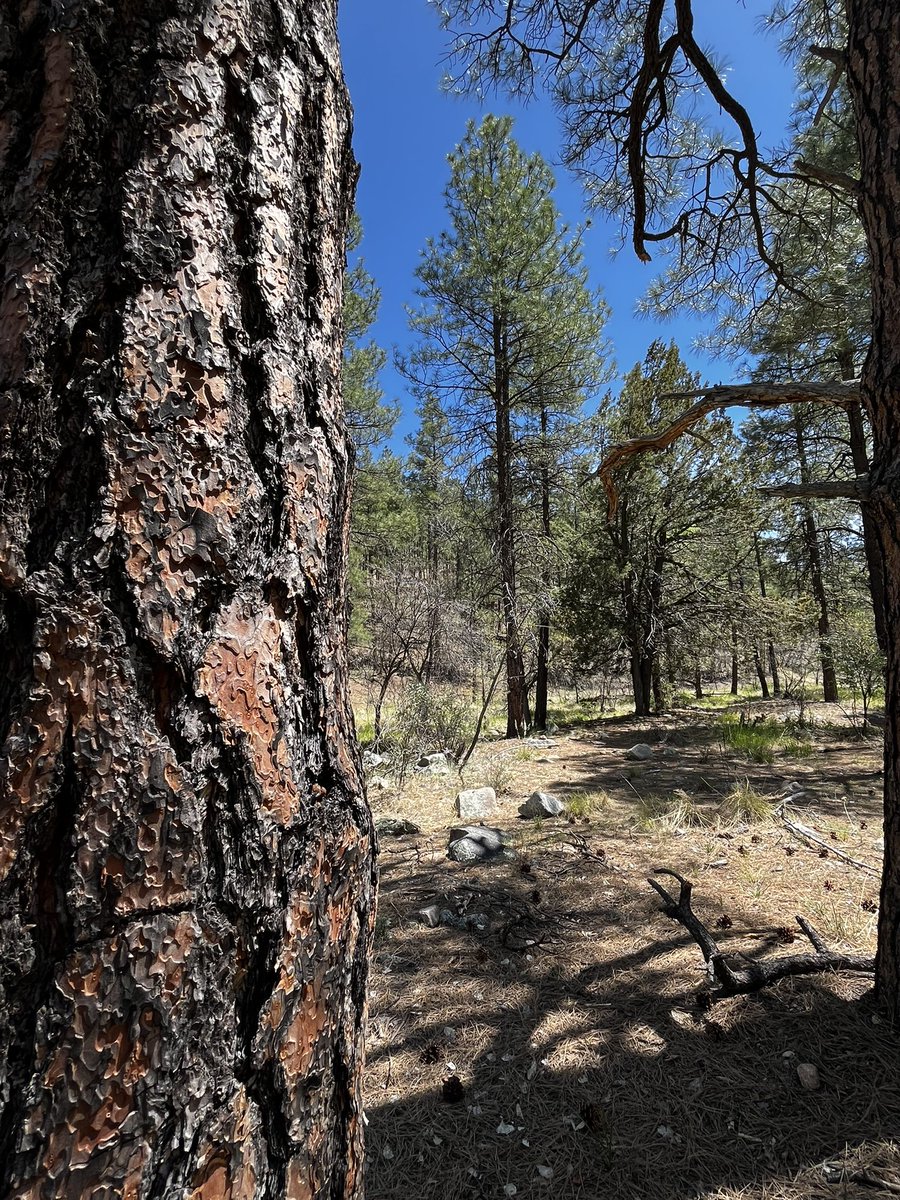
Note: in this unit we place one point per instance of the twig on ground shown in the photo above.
(803, 832)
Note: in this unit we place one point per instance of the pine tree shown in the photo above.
(507, 318)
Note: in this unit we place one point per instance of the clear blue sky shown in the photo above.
(405, 126)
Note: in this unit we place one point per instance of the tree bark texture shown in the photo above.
(186, 868)
(873, 75)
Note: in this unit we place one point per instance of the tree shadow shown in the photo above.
(588, 1068)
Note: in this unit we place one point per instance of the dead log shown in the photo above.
(753, 976)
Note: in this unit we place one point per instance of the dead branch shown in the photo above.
(739, 395)
(833, 489)
(734, 981)
(804, 833)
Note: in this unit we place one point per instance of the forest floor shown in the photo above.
(586, 1067)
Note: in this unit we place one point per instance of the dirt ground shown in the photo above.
(561, 1050)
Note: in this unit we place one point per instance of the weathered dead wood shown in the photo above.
(831, 489)
(806, 834)
(754, 976)
(711, 399)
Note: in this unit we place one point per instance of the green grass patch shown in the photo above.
(582, 804)
(761, 740)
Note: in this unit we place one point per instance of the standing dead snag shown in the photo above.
(185, 853)
(754, 976)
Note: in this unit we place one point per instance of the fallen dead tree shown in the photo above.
(753, 976)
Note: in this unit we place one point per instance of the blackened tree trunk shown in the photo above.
(517, 716)
(186, 857)
(816, 573)
(873, 71)
(543, 625)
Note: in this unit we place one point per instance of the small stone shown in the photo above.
(808, 1074)
(542, 804)
(378, 783)
(476, 802)
(505, 1128)
(430, 916)
(544, 1172)
(371, 759)
(878, 844)
(433, 764)
(720, 862)
(640, 752)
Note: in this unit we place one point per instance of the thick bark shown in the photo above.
(186, 857)
(517, 716)
(873, 73)
(816, 574)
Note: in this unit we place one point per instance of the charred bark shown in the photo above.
(517, 714)
(873, 77)
(186, 865)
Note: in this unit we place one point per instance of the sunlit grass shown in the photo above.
(762, 740)
(582, 804)
(673, 812)
(745, 803)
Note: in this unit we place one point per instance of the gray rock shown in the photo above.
(541, 804)
(476, 802)
(371, 759)
(878, 844)
(430, 916)
(433, 764)
(475, 843)
(540, 743)
(396, 826)
(640, 752)
(378, 783)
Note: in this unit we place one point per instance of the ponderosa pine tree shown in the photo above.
(626, 74)
(186, 872)
(506, 317)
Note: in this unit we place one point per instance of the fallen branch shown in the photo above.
(739, 395)
(734, 981)
(805, 833)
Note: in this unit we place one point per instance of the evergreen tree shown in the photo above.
(507, 322)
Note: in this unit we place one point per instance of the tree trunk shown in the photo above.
(735, 663)
(543, 629)
(816, 574)
(860, 454)
(186, 868)
(517, 716)
(770, 645)
(873, 73)
(698, 683)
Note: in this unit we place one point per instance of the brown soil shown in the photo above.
(588, 1069)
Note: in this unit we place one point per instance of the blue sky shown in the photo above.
(405, 126)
